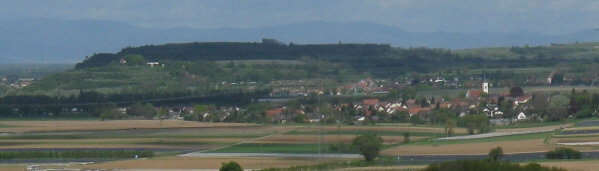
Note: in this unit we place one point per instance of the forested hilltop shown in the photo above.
(267, 49)
(376, 60)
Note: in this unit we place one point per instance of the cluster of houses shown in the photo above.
(20, 83)
(152, 64)
(470, 102)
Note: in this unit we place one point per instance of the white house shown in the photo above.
(152, 64)
(521, 116)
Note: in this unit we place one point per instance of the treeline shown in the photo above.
(379, 60)
(7, 155)
(212, 51)
(556, 107)
(89, 101)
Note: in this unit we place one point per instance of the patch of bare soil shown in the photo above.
(574, 165)
(205, 163)
(516, 146)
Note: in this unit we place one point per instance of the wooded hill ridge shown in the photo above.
(214, 51)
(378, 60)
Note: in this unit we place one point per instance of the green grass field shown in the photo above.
(279, 148)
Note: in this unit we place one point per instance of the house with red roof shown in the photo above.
(474, 94)
(370, 102)
(274, 112)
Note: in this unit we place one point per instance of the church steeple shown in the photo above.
(485, 84)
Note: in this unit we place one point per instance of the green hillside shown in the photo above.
(212, 65)
(183, 76)
(588, 50)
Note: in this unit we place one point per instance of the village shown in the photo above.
(375, 106)
(475, 101)
(363, 102)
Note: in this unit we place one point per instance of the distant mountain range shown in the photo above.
(48, 40)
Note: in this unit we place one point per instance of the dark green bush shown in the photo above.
(563, 153)
(231, 166)
(487, 165)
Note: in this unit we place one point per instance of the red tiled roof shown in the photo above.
(370, 101)
(445, 105)
(273, 112)
(411, 101)
(474, 93)
(523, 98)
(416, 110)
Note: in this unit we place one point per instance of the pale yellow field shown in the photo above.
(591, 165)
(516, 146)
(47, 126)
(12, 167)
(205, 163)
(383, 168)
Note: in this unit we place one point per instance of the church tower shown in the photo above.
(486, 87)
(485, 84)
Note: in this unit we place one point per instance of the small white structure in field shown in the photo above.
(521, 116)
(152, 64)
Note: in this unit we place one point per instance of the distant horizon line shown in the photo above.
(302, 22)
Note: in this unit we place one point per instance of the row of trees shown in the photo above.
(98, 104)
(555, 107)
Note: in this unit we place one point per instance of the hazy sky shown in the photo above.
(544, 16)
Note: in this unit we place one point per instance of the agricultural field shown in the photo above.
(261, 146)
(169, 138)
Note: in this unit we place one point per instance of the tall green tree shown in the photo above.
(369, 145)
(496, 154)
(449, 126)
(135, 60)
(146, 110)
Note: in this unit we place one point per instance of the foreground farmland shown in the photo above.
(169, 139)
